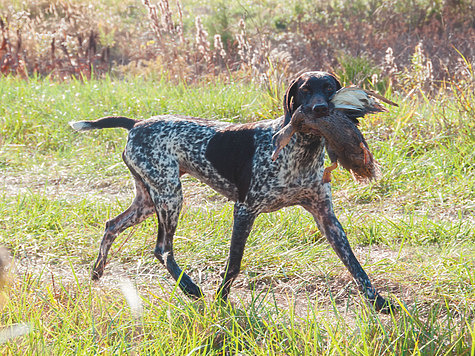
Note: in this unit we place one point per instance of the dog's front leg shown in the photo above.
(333, 231)
(243, 221)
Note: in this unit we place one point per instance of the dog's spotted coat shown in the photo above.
(235, 160)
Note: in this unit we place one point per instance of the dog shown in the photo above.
(235, 160)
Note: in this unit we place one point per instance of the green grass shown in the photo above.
(412, 230)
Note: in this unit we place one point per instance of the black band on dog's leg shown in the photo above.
(184, 281)
(164, 253)
(243, 221)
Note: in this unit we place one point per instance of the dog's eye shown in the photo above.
(328, 88)
(305, 89)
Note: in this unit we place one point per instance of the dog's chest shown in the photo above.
(295, 177)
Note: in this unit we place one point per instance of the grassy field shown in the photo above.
(413, 231)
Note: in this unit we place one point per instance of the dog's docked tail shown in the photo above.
(104, 123)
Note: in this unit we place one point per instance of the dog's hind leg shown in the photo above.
(168, 199)
(329, 225)
(243, 221)
(140, 209)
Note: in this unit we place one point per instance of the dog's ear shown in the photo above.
(289, 100)
(337, 82)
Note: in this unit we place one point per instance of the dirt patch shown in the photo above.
(63, 184)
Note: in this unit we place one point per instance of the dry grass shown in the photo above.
(401, 44)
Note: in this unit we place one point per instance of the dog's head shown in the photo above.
(312, 92)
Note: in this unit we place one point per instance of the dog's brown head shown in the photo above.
(312, 91)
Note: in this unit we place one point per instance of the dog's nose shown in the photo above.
(320, 108)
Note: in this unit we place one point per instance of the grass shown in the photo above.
(412, 230)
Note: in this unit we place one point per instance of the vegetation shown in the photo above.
(413, 230)
(190, 40)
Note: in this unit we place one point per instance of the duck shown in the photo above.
(344, 142)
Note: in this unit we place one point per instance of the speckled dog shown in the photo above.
(235, 160)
